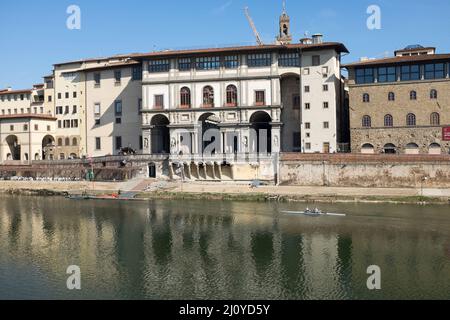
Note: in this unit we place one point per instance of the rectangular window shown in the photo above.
(11, 128)
(325, 87)
(231, 62)
(74, 123)
(98, 143)
(141, 143)
(259, 60)
(306, 72)
(49, 128)
(22, 97)
(159, 101)
(316, 61)
(118, 143)
(36, 127)
(387, 74)
(66, 123)
(137, 73)
(307, 106)
(41, 109)
(365, 76)
(296, 102)
(289, 60)
(434, 71)
(118, 120)
(97, 110)
(25, 127)
(207, 63)
(307, 125)
(49, 99)
(74, 94)
(59, 124)
(118, 76)
(326, 125)
(66, 111)
(59, 95)
(67, 95)
(260, 98)
(410, 73)
(74, 109)
(158, 66)
(308, 146)
(307, 88)
(118, 107)
(97, 79)
(97, 122)
(184, 64)
(325, 105)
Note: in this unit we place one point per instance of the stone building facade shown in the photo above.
(401, 104)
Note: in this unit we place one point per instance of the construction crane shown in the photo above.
(252, 25)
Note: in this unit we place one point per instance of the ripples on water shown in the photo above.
(220, 250)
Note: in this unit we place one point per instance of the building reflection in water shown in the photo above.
(216, 250)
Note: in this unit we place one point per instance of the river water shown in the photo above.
(220, 250)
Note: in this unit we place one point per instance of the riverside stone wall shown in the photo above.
(351, 170)
(105, 168)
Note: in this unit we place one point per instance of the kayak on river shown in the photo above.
(314, 213)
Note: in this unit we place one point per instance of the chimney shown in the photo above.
(9, 89)
(317, 38)
(306, 41)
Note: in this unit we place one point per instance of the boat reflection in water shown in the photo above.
(220, 250)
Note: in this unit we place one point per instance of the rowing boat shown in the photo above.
(314, 214)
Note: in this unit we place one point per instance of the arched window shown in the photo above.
(60, 141)
(185, 97)
(391, 96)
(435, 119)
(411, 119)
(366, 97)
(74, 142)
(413, 95)
(231, 96)
(433, 94)
(388, 121)
(366, 122)
(67, 142)
(208, 97)
(367, 148)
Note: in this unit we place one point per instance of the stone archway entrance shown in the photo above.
(261, 136)
(48, 146)
(14, 148)
(160, 135)
(210, 133)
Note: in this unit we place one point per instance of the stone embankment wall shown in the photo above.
(113, 168)
(355, 170)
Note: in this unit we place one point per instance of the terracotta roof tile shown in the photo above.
(395, 60)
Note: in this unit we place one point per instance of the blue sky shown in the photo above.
(34, 34)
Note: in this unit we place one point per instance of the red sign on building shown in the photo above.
(446, 133)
